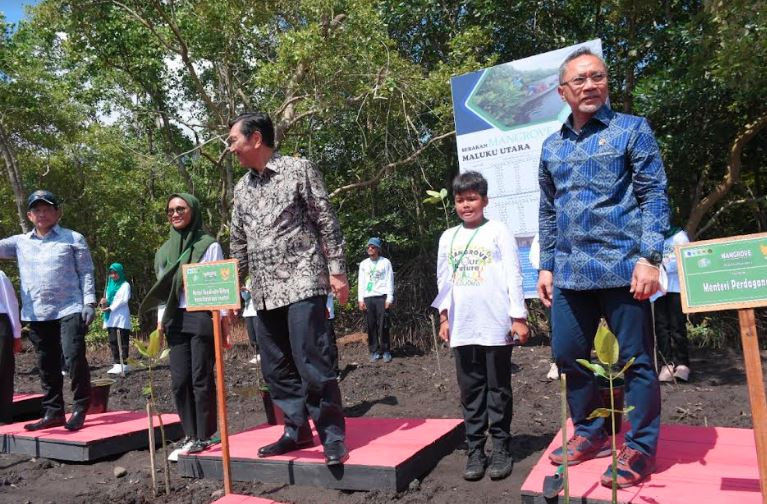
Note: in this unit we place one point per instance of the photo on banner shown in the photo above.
(502, 116)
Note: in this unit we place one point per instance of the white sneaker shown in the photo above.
(173, 457)
(115, 369)
(127, 369)
(553, 373)
(255, 360)
(682, 372)
(666, 373)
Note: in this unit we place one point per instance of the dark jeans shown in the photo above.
(52, 339)
(192, 357)
(297, 362)
(575, 318)
(671, 329)
(116, 345)
(7, 367)
(377, 318)
(484, 378)
(250, 326)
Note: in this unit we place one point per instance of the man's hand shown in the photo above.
(519, 327)
(387, 305)
(88, 314)
(226, 330)
(363, 306)
(17, 345)
(340, 287)
(545, 287)
(160, 329)
(644, 280)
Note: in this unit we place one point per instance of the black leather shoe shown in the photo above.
(75, 421)
(46, 422)
(284, 445)
(336, 453)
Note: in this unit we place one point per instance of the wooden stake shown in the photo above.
(221, 396)
(151, 448)
(755, 380)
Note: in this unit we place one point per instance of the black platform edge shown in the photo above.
(344, 477)
(78, 451)
(528, 498)
(27, 408)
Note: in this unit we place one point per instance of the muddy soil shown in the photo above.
(414, 384)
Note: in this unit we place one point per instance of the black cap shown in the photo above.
(42, 195)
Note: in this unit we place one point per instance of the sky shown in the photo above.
(14, 9)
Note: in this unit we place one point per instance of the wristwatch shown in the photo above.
(655, 258)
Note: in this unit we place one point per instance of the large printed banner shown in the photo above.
(502, 116)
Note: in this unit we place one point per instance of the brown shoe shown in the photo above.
(581, 449)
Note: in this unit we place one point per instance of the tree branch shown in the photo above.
(390, 167)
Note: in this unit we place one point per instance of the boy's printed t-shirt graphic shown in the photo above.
(470, 270)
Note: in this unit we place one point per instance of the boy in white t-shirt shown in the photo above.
(481, 307)
(10, 344)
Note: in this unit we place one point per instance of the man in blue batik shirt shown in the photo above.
(58, 303)
(603, 214)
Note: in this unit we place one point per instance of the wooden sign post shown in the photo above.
(214, 286)
(731, 274)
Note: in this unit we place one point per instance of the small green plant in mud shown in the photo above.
(608, 352)
(153, 353)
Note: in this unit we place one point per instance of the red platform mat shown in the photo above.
(384, 453)
(711, 465)
(102, 435)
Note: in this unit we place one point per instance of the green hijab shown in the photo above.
(184, 246)
(113, 285)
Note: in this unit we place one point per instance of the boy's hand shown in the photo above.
(362, 305)
(545, 287)
(519, 327)
(444, 327)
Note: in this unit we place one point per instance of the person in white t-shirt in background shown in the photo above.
(670, 322)
(535, 262)
(249, 314)
(10, 345)
(116, 315)
(375, 295)
(482, 315)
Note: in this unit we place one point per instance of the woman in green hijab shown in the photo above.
(189, 334)
(116, 315)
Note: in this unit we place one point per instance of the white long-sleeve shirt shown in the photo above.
(376, 278)
(480, 284)
(9, 304)
(119, 313)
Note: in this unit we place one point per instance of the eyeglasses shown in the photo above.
(596, 78)
(181, 210)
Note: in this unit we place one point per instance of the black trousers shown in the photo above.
(297, 362)
(377, 318)
(115, 345)
(484, 379)
(192, 358)
(52, 339)
(671, 329)
(7, 368)
(250, 326)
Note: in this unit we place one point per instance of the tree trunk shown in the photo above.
(14, 177)
(731, 176)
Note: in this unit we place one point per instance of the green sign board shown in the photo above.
(211, 285)
(724, 274)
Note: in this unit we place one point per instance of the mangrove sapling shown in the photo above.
(153, 354)
(608, 353)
